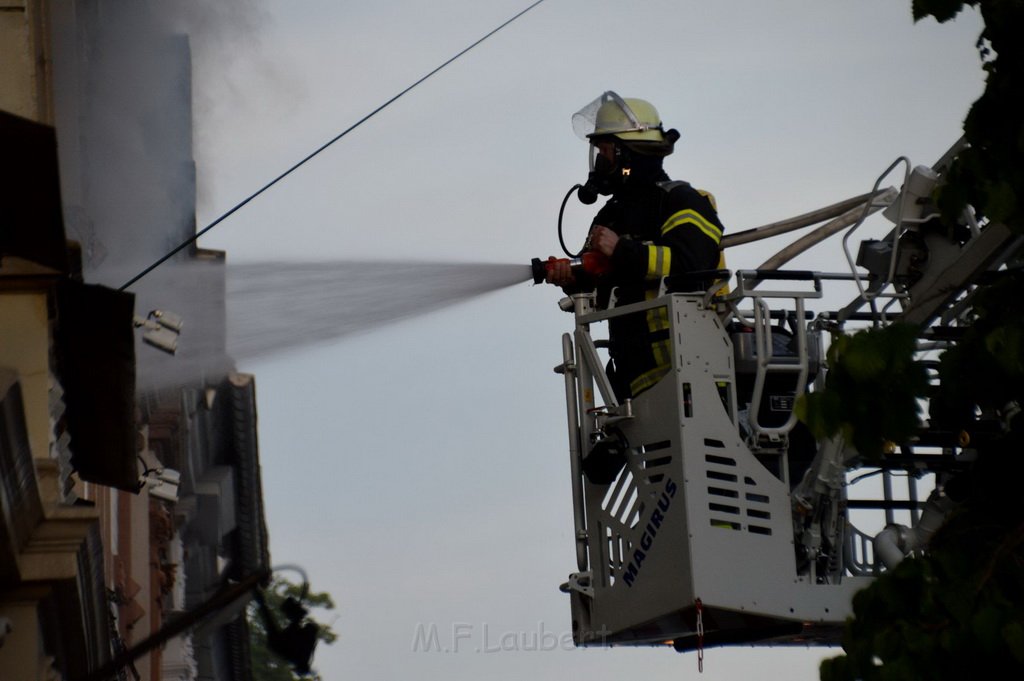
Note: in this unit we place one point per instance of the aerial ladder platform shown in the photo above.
(704, 512)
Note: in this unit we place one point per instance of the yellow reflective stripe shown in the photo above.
(662, 352)
(659, 262)
(647, 379)
(710, 197)
(721, 265)
(692, 217)
(657, 319)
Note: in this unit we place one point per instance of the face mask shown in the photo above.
(606, 175)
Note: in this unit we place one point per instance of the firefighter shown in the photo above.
(650, 228)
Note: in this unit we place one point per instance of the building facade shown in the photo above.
(130, 491)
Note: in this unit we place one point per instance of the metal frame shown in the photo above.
(694, 516)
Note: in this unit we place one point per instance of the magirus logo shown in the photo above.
(632, 569)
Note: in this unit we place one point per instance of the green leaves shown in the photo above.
(871, 392)
(957, 612)
(1013, 635)
(989, 174)
(942, 10)
(874, 385)
(936, 618)
(266, 665)
(986, 368)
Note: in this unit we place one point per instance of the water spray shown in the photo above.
(280, 306)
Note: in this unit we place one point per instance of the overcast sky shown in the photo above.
(419, 472)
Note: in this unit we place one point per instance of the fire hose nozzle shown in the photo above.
(540, 270)
(591, 262)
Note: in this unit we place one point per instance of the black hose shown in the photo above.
(561, 211)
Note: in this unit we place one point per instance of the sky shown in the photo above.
(418, 471)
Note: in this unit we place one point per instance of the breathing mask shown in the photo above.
(634, 127)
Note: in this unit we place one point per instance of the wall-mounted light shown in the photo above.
(167, 319)
(164, 484)
(161, 329)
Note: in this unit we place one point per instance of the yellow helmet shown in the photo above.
(632, 120)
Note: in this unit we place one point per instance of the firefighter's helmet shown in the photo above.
(630, 120)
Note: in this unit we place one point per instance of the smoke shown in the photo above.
(233, 72)
(124, 98)
(122, 94)
(123, 101)
(127, 78)
(274, 307)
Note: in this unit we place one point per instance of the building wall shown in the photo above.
(24, 60)
(24, 344)
(52, 595)
(25, 657)
(155, 547)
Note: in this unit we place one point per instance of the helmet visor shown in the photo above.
(617, 117)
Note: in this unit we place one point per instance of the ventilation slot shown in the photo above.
(718, 491)
(619, 549)
(724, 524)
(725, 477)
(628, 504)
(620, 502)
(653, 459)
(732, 497)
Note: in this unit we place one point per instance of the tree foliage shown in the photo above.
(871, 390)
(989, 174)
(266, 664)
(958, 610)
